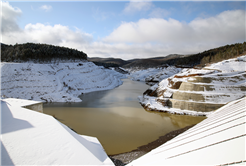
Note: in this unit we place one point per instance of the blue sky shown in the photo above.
(125, 29)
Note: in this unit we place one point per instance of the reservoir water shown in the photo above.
(117, 119)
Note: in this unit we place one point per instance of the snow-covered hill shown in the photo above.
(152, 75)
(55, 82)
(199, 91)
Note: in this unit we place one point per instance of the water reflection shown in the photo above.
(179, 120)
(116, 118)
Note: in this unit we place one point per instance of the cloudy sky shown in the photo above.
(125, 29)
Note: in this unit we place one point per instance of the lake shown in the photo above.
(117, 119)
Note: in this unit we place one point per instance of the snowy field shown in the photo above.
(218, 83)
(153, 75)
(55, 82)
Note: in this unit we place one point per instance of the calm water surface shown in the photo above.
(117, 119)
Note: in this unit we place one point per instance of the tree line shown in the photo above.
(209, 56)
(38, 53)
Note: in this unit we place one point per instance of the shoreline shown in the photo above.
(125, 158)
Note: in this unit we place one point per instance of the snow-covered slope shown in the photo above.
(62, 82)
(153, 75)
(199, 91)
(32, 138)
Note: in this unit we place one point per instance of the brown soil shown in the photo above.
(125, 158)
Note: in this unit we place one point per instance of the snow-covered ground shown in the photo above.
(153, 75)
(213, 85)
(55, 82)
(33, 138)
(231, 65)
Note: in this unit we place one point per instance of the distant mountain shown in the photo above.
(108, 62)
(170, 56)
(199, 59)
(151, 62)
(142, 63)
(45, 52)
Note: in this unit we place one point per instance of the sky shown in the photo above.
(125, 29)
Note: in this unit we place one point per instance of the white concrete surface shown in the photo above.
(218, 140)
(32, 138)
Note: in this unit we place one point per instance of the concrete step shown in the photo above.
(227, 79)
(193, 106)
(178, 95)
(207, 97)
(190, 86)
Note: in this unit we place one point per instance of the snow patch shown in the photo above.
(152, 74)
(231, 65)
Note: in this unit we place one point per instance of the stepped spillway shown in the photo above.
(198, 91)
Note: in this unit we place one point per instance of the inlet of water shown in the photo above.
(117, 119)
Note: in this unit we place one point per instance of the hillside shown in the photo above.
(39, 53)
(209, 56)
(108, 62)
(55, 82)
(47, 53)
(153, 75)
(151, 62)
(143, 63)
(133, 63)
(3, 45)
(192, 60)
(198, 91)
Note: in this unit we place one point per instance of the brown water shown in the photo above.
(117, 119)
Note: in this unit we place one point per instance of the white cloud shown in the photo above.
(46, 8)
(56, 35)
(120, 50)
(160, 37)
(145, 38)
(9, 17)
(136, 6)
(228, 26)
(39, 33)
(144, 50)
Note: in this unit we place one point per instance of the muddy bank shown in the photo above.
(125, 158)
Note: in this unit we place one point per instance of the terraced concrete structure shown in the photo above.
(208, 93)
(204, 91)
